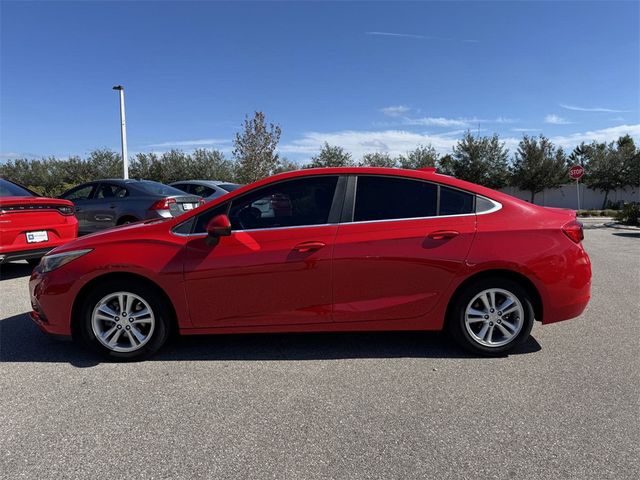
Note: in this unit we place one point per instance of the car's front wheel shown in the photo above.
(124, 320)
(491, 316)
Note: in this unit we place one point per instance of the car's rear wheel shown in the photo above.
(491, 316)
(124, 320)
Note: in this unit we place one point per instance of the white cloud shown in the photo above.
(395, 110)
(394, 142)
(591, 109)
(437, 121)
(420, 37)
(523, 130)
(398, 142)
(603, 135)
(554, 119)
(190, 143)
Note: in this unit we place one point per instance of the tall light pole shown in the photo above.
(123, 131)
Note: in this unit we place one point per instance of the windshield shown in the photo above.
(230, 187)
(8, 189)
(157, 188)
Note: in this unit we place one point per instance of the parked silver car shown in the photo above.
(208, 189)
(107, 203)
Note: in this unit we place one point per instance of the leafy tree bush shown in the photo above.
(331, 156)
(255, 149)
(378, 159)
(538, 164)
(482, 160)
(629, 214)
(421, 157)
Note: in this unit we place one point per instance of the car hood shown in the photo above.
(144, 230)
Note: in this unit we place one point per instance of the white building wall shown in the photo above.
(566, 196)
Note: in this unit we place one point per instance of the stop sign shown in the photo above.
(576, 172)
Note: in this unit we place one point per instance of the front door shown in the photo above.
(275, 268)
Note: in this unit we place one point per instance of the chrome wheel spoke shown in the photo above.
(132, 339)
(509, 325)
(476, 313)
(504, 331)
(114, 340)
(138, 334)
(483, 331)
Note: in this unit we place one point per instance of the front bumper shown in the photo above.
(51, 302)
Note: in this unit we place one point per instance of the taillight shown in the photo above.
(574, 231)
(65, 210)
(163, 204)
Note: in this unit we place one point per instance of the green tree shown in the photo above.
(631, 160)
(286, 165)
(104, 163)
(482, 160)
(378, 159)
(538, 164)
(421, 157)
(607, 169)
(255, 149)
(331, 156)
(211, 165)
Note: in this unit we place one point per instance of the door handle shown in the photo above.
(113, 205)
(442, 234)
(309, 246)
(78, 209)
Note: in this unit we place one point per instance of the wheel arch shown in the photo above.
(115, 276)
(126, 216)
(517, 277)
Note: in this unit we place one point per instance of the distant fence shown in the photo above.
(566, 196)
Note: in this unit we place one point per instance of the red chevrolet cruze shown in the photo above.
(359, 249)
(31, 225)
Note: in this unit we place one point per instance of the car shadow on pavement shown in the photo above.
(22, 341)
(627, 234)
(10, 270)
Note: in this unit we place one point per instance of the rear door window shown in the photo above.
(387, 198)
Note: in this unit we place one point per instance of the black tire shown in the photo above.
(158, 306)
(457, 326)
(126, 220)
(33, 262)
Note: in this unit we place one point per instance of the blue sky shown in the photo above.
(381, 76)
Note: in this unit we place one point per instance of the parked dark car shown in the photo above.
(208, 189)
(107, 203)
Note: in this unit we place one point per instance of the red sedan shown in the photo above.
(359, 249)
(31, 225)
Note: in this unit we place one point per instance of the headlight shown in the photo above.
(51, 262)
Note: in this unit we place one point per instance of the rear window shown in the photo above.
(229, 187)
(157, 188)
(8, 189)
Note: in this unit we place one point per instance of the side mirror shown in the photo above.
(218, 226)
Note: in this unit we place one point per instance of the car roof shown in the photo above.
(202, 182)
(429, 173)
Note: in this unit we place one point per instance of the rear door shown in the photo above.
(81, 196)
(273, 269)
(395, 255)
(103, 209)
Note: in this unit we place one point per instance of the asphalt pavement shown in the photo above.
(365, 405)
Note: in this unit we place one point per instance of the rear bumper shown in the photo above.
(25, 254)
